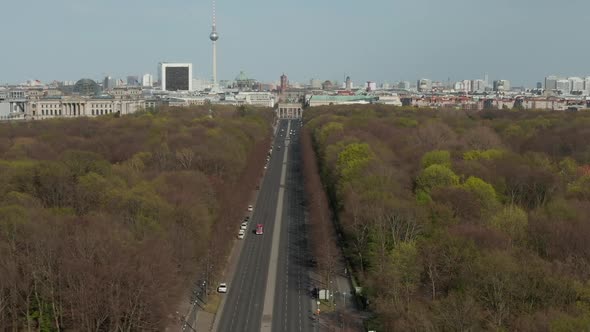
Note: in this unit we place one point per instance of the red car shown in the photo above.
(259, 230)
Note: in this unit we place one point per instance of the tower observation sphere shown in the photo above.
(214, 36)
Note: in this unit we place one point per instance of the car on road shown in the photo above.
(259, 229)
(222, 288)
(250, 208)
(241, 234)
(243, 226)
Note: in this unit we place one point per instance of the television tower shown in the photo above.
(214, 36)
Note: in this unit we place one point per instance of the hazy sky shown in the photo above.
(379, 40)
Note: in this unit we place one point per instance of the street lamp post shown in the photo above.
(185, 323)
(204, 290)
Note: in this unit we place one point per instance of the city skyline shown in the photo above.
(456, 40)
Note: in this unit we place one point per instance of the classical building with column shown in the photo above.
(289, 111)
(73, 106)
(86, 100)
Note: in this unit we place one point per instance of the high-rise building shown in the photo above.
(563, 86)
(348, 83)
(371, 86)
(176, 76)
(404, 85)
(551, 83)
(478, 86)
(587, 85)
(539, 85)
(315, 83)
(147, 80)
(467, 85)
(109, 83)
(501, 85)
(132, 80)
(576, 84)
(424, 85)
(284, 83)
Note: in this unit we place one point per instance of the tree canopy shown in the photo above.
(460, 221)
(104, 223)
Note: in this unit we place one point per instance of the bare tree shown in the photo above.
(482, 138)
(185, 157)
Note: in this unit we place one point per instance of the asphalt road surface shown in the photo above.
(270, 288)
(293, 303)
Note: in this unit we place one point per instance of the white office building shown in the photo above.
(264, 99)
(551, 82)
(147, 80)
(371, 86)
(576, 84)
(502, 85)
(424, 85)
(315, 83)
(404, 85)
(478, 86)
(563, 86)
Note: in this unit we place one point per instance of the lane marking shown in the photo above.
(267, 311)
(260, 207)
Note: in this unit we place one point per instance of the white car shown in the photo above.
(250, 208)
(244, 226)
(241, 234)
(222, 288)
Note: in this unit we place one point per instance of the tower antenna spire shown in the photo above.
(214, 36)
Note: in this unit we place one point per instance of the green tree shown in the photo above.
(405, 270)
(91, 193)
(494, 282)
(327, 130)
(83, 162)
(490, 154)
(568, 169)
(511, 220)
(353, 159)
(485, 192)
(568, 323)
(437, 157)
(580, 188)
(436, 176)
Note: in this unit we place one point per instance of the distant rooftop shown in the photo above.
(329, 98)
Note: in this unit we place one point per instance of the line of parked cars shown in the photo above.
(222, 288)
(268, 158)
(244, 226)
